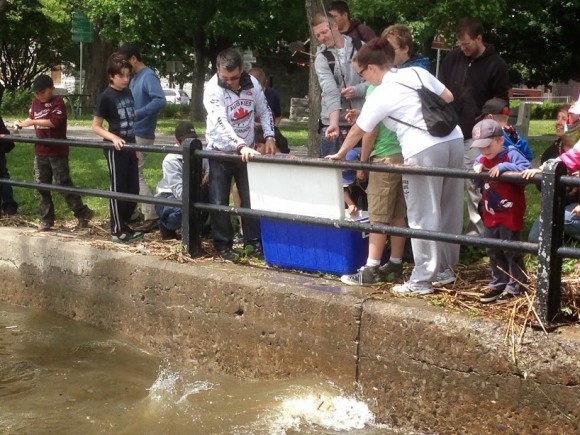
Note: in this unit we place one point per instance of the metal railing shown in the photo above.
(550, 249)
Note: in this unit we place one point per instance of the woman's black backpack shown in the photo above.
(439, 116)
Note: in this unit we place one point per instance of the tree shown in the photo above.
(537, 40)
(27, 50)
(194, 33)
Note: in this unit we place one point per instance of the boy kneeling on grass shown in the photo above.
(504, 205)
(171, 185)
(116, 106)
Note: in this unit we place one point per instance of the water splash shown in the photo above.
(172, 388)
(336, 413)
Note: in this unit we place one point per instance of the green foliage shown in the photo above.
(537, 39)
(32, 40)
(16, 103)
(175, 111)
(546, 110)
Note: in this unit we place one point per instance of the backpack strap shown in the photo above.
(416, 90)
(356, 45)
(330, 59)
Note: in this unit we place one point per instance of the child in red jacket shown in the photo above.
(504, 205)
(47, 115)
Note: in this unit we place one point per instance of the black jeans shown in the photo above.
(220, 182)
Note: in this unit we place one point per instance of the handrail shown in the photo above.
(550, 249)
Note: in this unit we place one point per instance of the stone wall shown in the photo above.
(419, 367)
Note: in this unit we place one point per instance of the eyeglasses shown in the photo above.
(362, 71)
(230, 79)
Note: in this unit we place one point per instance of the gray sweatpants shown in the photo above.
(436, 204)
(475, 224)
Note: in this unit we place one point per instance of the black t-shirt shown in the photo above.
(118, 109)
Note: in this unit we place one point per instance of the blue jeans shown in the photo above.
(220, 182)
(571, 225)
(328, 147)
(169, 217)
(508, 271)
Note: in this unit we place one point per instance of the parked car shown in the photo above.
(176, 96)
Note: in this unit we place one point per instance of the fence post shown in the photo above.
(190, 221)
(551, 238)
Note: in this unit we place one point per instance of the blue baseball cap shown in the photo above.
(349, 175)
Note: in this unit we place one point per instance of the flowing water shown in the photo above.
(59, 376)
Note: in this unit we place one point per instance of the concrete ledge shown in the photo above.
(418, 366)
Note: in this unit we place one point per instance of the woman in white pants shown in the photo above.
(433, 203)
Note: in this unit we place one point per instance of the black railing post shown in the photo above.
(190, 221)
(551, 238)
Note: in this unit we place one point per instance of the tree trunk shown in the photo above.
(95, 65)
(312, 7)
(198, 82)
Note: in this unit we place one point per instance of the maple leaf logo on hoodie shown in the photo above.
(240, 114)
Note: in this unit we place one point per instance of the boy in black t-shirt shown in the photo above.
(116, 106)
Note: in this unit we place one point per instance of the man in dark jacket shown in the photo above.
(9, 205)
(474, 73)
(353, 28)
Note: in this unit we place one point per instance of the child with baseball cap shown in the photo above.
(498, 110)
(47, 114)
(504, 205)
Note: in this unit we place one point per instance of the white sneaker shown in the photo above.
(444, 278)
(413, 288)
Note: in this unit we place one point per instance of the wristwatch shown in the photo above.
(270, 137)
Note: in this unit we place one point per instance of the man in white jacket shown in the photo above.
(233, 99)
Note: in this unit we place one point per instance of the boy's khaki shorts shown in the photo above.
(385, 192)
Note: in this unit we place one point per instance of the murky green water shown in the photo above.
(58, 376)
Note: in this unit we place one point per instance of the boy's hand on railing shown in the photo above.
(118, 142)
(530, 173)
(478, 169)
(494, 172)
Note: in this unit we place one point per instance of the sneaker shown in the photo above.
(127, 237)
(366, 275)
(413, 288)
(490, 296)
(45, 226)
(391, 271)
(444, 278)
(148, 226)
(506, 297)
(229, 254)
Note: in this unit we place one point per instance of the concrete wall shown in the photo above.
(417, 366)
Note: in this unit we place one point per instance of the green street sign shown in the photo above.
(83, 37)
(82, 29)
